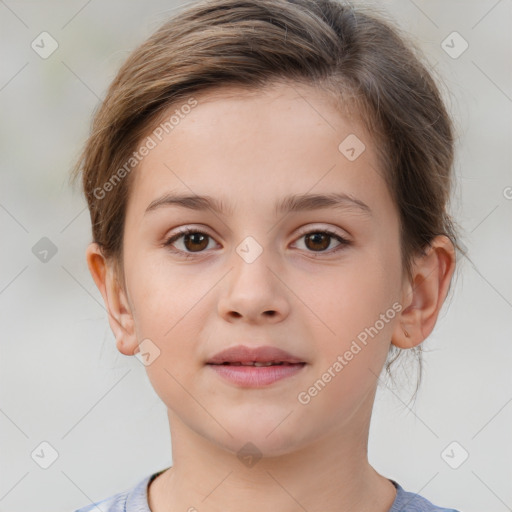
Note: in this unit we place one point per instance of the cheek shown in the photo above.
(357, 293)
(162, 295)
(170, 310)
(168, 315)
(355, 304)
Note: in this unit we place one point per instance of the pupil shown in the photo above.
(195, 241)
(320, 240)
(316, 240)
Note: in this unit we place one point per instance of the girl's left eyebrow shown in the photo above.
(290, 203)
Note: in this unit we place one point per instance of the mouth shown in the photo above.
(255, 367)
(257, 364)
(243, 355)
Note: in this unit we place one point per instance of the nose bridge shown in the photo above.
(253, 289)
(251, 264)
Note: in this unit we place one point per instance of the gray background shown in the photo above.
(62, 379)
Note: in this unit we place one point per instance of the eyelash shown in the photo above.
(187, 231)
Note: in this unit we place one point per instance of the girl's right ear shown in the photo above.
(118, 309)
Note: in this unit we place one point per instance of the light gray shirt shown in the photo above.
(136, 500)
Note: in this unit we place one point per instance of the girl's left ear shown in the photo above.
(423, 297)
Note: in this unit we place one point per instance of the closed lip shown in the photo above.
(243, 354)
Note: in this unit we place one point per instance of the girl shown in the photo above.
(268, 184)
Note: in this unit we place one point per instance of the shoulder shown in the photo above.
(131, 500)
(136, 500)
(116, 503)
(412, 502)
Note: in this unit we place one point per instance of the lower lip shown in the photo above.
(256, 376)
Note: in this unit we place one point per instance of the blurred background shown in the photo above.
(79, 421)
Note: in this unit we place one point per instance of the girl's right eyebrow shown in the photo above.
(290, 203)
(192, 202)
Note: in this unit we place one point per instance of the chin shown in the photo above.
(267, 435)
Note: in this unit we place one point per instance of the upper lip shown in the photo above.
(244, 354)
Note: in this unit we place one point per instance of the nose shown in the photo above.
(253, 293)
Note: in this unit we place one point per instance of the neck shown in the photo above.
(329, 474)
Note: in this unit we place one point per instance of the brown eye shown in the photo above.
(321, 241)
(195, 241)
(188, 241)
(318, 241)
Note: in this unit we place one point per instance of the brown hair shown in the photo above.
(344, 50)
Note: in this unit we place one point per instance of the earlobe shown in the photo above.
(119, 314)
(425, 295)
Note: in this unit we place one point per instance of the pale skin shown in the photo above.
(251, 150)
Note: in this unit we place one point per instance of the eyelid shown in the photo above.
(315, 227)
(185, 230)
(307, 228)
(343, 241)
(304, 230)
(190, 228)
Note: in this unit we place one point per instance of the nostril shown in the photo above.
(270, 313)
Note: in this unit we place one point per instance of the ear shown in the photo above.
(118, 308)
(424, 295)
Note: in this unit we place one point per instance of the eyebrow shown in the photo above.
(290, 203)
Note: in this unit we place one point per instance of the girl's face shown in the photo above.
(258, 273)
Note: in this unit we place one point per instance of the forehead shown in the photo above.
(280, 139)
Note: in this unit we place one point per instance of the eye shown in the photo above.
(196, 241)
(193, 241)
(320, 241)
